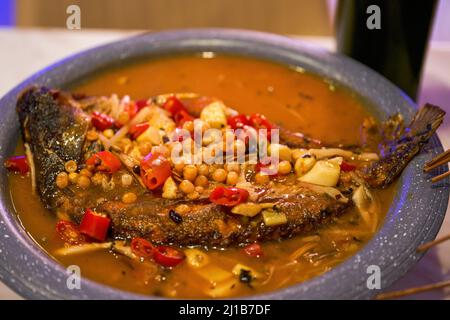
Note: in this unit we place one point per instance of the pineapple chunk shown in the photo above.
(214, 274)
(214, 115)
(196, 258)
(324, 173)
(160, 119)
(303, 165)
(273, 218)
(170, 189)
(248, 209)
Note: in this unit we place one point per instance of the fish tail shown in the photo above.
(427, 120)
(399, 152)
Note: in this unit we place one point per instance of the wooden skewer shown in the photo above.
(430, 244)
(435, 165)
(406, 292)
(440, 177)
(438, 158)
(437, 161)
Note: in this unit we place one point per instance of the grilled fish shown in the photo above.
(55, 125)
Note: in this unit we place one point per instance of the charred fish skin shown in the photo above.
(55, 130)
(208, 224)
(400, 151)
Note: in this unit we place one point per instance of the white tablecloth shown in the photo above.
(27, 51)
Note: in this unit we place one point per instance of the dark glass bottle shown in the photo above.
(397, 48)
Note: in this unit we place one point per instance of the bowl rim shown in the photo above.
(33, 274)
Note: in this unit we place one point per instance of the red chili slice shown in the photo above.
(177, 110)
(104, 161)
(167, 256)
(101, 121)
(69, 233)
(347, 167)
(173, 105)
(258, 121)
(181, 117)
(253, 250)
(138, 129)
(228, 197)
(95, 225)
(141, 104)
(17, 164)
(238, 121)
(131, 108)
(142, 248)
(155, 169)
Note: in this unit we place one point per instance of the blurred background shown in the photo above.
(295, 17)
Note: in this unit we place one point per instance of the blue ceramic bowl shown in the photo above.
(415, 215)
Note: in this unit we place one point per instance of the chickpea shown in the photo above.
(125, 145)
(62, 180)
(201, 181)
(86, 172)
(203, 169)
(163, 150)
(219, 175)
(70, 166)
(129, 197)
(190, 172)
(182, 208)
(83, 182)
(97, 178)
(108, 133)
(284, 167)
(211, 169)
(284, 152)
(232, 177)
(193, 195)
(92, 135)
(189, 126)
(126, 180)
(73, 177)
(145, 148)
(179, 166)
(261, 178)
(234, 166)
(186, 186)
(199, 189)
